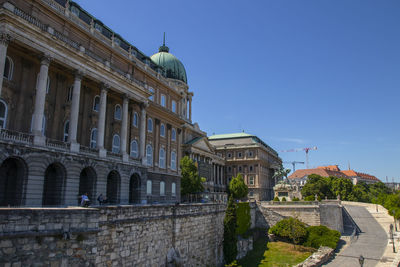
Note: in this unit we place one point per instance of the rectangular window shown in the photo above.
(173, 106)
(163, 101)
(149, 185)
(251, 180)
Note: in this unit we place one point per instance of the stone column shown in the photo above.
(190, 108)
(102, 121)
(38, 113)
(142, 135)
(5, 39)
(124, 128)
(74, 116)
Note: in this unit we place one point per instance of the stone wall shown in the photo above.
(112, 236)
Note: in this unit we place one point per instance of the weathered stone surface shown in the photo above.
(318, 258)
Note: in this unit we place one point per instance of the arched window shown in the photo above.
(134, 149)
(135, 121)
(149, 187)
(116, 144)
(173, 135)
(66, 131)
(117, 112)
(152, 94)
(162, 188)
(69, 93)
(3, 114)
(173, 104)
(173, 189)
(93, 138)
(96, 103)
(150, 125)
(173, 160)
(8, 69)
(161, 161)
(149, 155)
(163, 101)
(162, 130)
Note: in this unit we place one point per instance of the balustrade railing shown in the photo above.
(30, 19)
(66, 40)
(88, 150)
(56, 5)
(114, 155)
(52, 143)
(16, 136)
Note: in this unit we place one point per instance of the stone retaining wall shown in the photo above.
(112, 236)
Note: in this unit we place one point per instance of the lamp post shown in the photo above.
(361, 260)
(392, 237)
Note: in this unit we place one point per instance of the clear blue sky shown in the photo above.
(297, 73)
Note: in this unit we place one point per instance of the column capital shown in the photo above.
(5, 38)
(78, 74)
(144, 105)
(45, 59)
(105, 87)
(126, 97)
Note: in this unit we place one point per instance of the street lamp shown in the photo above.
(361, 260)
(392, 237)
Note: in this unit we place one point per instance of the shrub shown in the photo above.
(309, 198)
(237, 187)
(230, 238)
(276, 199)
(321, 236)
(243, 217)
(295, 199)
(284, 199)
(290, 229)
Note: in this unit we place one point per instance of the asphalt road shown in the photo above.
(371, 242)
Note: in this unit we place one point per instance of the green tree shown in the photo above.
(360, 193)
(280, 173)
(342, 187)
(392, 203)
(191, 182)
(317, 185)
(291, 229)
(230, 238)
(237, 188)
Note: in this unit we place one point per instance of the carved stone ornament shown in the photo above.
(5, 38)
(45, 59)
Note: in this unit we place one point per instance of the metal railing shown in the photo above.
(16, 136)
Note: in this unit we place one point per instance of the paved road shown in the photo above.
(371, 242)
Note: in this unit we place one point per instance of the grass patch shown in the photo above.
(275, 254)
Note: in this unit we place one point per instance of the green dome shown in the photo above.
(173, 67)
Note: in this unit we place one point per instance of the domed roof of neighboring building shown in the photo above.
(173, 67)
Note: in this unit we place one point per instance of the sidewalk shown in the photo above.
(389, 259)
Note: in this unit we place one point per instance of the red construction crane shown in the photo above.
(306, 149)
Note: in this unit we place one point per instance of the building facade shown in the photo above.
(249, 155)
(84, 111)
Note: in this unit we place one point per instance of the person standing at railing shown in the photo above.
(85, 201)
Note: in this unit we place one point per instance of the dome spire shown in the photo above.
(163, 48)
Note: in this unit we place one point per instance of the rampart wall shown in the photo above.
(112, 236)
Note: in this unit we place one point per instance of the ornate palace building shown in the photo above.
(84, 111)
(249, 155)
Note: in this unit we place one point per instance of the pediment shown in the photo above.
(203, 144)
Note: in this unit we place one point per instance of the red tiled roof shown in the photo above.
(330, 167)
(332, 170)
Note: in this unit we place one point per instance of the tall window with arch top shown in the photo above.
(173, 160)
(161, 162)
(149, 155)
(93, 138)
(66, 131)
(162, 130)
(173, 135)
(96, 103)
(116, 144)
(134, 149)
(135, 120)
(152, 93)
(149, 125)
(117, 112)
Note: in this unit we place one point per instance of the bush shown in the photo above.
(290, 229)
(243, 217)
(237, 187)
(321, 236)
(276, 199)
(295, 199)
(230, 238)
(309, 198)
(284, 199)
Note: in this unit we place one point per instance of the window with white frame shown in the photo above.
(96, 103)
(66, 131)
(117, 112)
(152, 93)
(173, 135)
(149, 125)
(149, 187)
(162, 130)
(69, 93)
(93, 138)
(8, 68)
(149, 155)
(173, 106)
(135, 120)
(251, 180)
(116, 143)
(163, 101)
(134, 149)
(173, 189)
(162, 188)
(161, 162)
(173, 160)
(3, 114)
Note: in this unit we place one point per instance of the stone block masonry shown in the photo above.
(112, 236)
